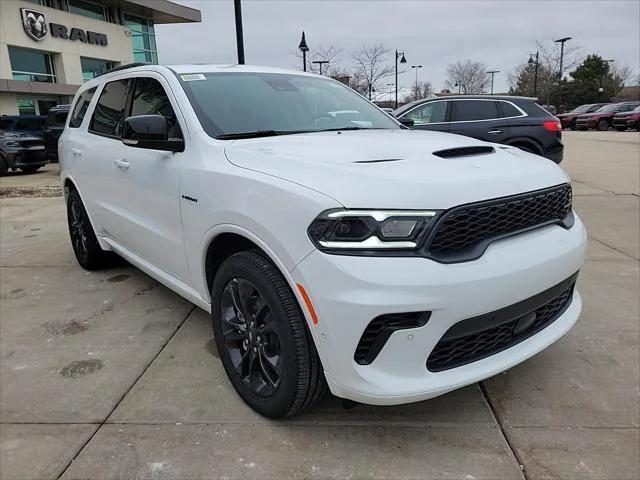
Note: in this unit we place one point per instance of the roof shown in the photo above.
(465, 97)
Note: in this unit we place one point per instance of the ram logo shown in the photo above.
(34, 23)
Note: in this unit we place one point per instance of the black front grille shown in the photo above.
(479, 337)
(464, 232)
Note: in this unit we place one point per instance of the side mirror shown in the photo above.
(406, 121)
(151, 132)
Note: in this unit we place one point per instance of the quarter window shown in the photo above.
(80, 108)
(470, 110)
(31, 65)
(433, 112)
(150, 98)
(110, 109)
(508, 110)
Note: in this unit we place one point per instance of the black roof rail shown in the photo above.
(122, 67)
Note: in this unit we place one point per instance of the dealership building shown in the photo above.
(49, 47)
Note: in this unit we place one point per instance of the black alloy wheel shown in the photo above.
(263, 339)
(603, 125)
(251, 337)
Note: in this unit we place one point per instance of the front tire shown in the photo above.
(603, 125)
(85, 245)
(262, 337)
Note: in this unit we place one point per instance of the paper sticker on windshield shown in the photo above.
(192, 77)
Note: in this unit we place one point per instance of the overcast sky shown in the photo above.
(432, 33)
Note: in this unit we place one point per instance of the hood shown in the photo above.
(4, 135)
(395, 168)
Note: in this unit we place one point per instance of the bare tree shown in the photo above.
(471, 77)
(418, 92)
(370, 65)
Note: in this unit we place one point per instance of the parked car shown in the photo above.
(21, 151)
(56, 119)
(624, 120)
(568, 119)
(602, 119)
(517, 121)
(391, 265)
(31, 124)
(550, 108)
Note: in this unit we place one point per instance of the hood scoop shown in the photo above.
(464, 152)
(381, 160)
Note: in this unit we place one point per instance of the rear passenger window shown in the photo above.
(80, 108)
(509, 110)
(108, 115)
(150, 98)
(469, 110)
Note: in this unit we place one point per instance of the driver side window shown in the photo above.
(433, 112)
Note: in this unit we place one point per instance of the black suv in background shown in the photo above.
(516, 121)
(31, 124)
(56, 119)
(22, 151)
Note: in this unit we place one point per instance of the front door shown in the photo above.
(430, 116)
(147, 186)
(479, 118)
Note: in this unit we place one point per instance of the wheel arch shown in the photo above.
(526, 142)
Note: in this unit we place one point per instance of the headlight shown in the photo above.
(11, 143)
(359, 230)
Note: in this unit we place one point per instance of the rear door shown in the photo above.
(479, 118)
(430, 116)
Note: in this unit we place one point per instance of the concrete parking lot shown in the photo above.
(110, 375)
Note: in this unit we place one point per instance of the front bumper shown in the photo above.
(25, 157)
(348, 292)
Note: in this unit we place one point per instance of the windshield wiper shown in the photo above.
(257, 134)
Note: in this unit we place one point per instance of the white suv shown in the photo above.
(332, 246)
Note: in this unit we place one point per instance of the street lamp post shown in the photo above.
(416, 67)
(492, 72)
(457, 85)
(535, 75)
(320, 63)
(239, 36)
(390, 91)
(561, 42)
(304, 48)
(402, 60)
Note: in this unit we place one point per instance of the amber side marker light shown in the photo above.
(307, 300)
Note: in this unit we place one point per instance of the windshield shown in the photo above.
(608, 108)
(581, 109)
(228, 104)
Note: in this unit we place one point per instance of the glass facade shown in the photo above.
(143, 38)
(92, 67)
(88, 9)
(31, 65)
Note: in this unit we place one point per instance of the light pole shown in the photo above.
(390, 91)
(561, 42)
(492, 72)
(320, 63)
(239, 36)
(304, 48)
(402, 60)
(535, 76)
(416, 67)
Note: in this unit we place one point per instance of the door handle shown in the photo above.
(76, 152)
(121, 163)
(494, 132)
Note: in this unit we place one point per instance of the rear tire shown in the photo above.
(603, 125)
(30, 169)
(262, 337)
(85, 245)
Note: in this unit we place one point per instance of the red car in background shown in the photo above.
(603, 119)
(568, 119)
(624, 120)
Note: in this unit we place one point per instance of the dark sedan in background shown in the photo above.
(516, 121)
(568, 119)
(21, 151)
(602, 119)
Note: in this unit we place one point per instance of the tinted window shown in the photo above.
(5, 124)
(628, 107)
(509, 110)
(149, 98)
(433, 112)
(56, 119)
(110, 109)
(80, 108)
(28, 124)
(468, 110)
